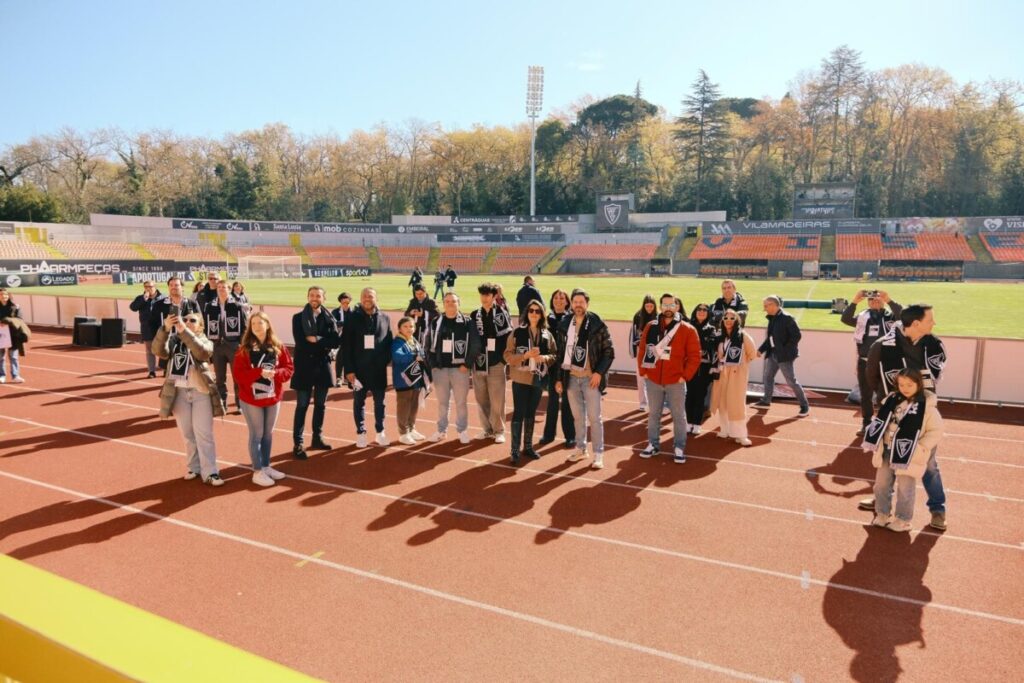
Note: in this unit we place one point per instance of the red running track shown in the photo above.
(440, 561)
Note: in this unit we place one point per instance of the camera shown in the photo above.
(871, 293)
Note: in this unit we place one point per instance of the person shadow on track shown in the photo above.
(850, 472)
(873, 627)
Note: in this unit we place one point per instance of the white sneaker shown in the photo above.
(18, 380)
(880, 520)
(598, 463)
(695, 430)
(722, 435)
(189, 476)
(3, 380)
(439, 436)
(273, 474)
(464, 437)
(679, 456)
(899, 525)
(499, 438)
(577, 456)
(650, 451)
(416, 436)
(403, 439)
(361, 440)
(744, 442)
(261, 478)
(382, 439)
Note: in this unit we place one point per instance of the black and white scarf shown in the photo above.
(502, 323)
(908, 431)
(708, 343)
(576, 346)
(656, 346)
(892, 359)
(524, 342)
(230, 317)
(264, 359)
(417, 373)
(180, 362)
(459, 347)
(871, 324)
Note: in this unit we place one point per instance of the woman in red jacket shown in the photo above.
(261, 368)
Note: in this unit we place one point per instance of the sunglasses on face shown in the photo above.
(534, 310)
(730, 317)
(191, 320)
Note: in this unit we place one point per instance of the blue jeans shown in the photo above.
(302, 399)
(885, 477)
(261, 423)
(771, 368)
(675, 394)
(932, 482)
(586, 407)
(14, 363)
(359, 409)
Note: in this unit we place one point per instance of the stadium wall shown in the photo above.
(976, 370)
(994, 271)
(589, 267)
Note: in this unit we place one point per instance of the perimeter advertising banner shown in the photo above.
(83, 267)
(532, 227)
(15, 280)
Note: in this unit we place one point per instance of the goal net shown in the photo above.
(260, 267)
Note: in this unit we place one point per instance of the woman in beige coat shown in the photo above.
(729, 395)
(186, 392)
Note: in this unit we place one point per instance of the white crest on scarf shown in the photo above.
(904, 448)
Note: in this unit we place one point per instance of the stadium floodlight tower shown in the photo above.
(534, 100)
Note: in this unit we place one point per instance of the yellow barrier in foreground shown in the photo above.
(54, 629)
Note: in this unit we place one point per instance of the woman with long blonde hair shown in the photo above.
(261, 367)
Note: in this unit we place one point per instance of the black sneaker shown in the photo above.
(319, 445)
(299, 452)
(860, 432)
(804, 412)
(151, 375)
(569, 444)
(545, 441)
(763, 404)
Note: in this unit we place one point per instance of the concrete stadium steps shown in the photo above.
(828, 249)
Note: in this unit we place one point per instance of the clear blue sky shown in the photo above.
(211, 67)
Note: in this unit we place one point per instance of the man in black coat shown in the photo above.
(367, 352)
(143, 305)
(450, 276)
(869, 326)
(780, 350)
(730, 299)
(527, 293)
(209, 292)
(315, 334)
(423, 310)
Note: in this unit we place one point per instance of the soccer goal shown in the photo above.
(263, 267)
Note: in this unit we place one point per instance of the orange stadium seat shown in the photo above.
(758, 247)
(175, 251)
(92, 250)
(403, 258)
(611, 252)
(338, 256)
(13, 249)
(518, 259)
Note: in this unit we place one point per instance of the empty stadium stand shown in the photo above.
(718, 270)
(89, 250)
(11, 248)
(1005, 247)
(403, 258)
(338, 256)
(518, 259)
(903, 247)
(185, 252)
(463, 259)
(757, 247)
(610, 252)
(263, 250)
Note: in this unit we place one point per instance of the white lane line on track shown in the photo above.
(702, 559)
(406, 585)
(528, 470)
(779, 418)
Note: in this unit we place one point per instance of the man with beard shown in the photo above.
(668, 356)
(585, 356)
(315, 334)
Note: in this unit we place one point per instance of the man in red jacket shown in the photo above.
(668, 356)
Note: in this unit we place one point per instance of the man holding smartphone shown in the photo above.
(174, 303)
(869, 326)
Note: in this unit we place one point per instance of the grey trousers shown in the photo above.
(489, 390)
(194, 414)
(223, 356)
(448, 381)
